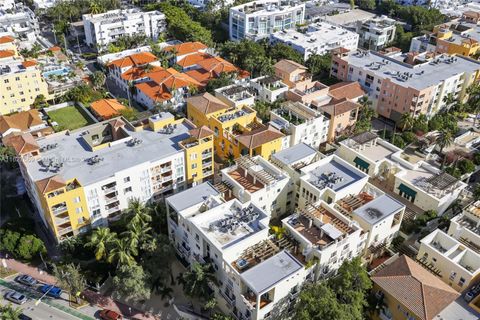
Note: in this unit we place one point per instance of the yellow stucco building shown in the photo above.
(236, 130)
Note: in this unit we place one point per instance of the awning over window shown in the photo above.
(361, 163)
(409, 192)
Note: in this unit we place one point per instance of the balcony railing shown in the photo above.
(65, 231)
(62, 220)
(110, 189)
(206, 155)
(58, 210)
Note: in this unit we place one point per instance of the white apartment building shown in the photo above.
(375, 34)
(258, 274)
(258, 181)
(397, 83)
(21, 23)
(320, 38)
(7, 4)
(83, 178)
(405, 172)
(237, 95)
(103, 29)
(301, 123)
(455, 256)
(258, 19)
(269, 88)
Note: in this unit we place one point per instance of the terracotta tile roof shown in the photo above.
(6, 39)
(171, 78)
(6, 53)
(22, 144)
(200, 133)
(158, 93)
(217, 65)
(29, 63)
(55, 49)
(472, 14)
(414, 287)
(193, 59)
(259, 137)
(134, 60)
(200, 75)
(288, 66)
(21, 121)
(139, 72)
(337, 107)
(349, 90)
(186, 48)
(206, 103)
(50, 184)
(107, 108)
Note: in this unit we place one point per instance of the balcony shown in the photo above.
(62, 220)
(58, 210)
(109, 189)
(384, 316)
(65, 230)
(230, 300)
(111, 199)
(206, 155)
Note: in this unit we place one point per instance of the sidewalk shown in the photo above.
(95, 299)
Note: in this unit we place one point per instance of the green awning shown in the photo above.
(361, 163)
(407, 190)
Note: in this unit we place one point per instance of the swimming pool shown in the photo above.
(58, 72)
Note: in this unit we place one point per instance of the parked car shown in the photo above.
(107, 314)
(26, 280)
(24, 317)
(51, 291)
(16, 297)
(472, 293)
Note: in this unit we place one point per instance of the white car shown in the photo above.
(16, 297)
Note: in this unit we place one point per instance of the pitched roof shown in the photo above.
(200, 133)
(186, 48)
(6, 53)
(217, 65)
(107, 108)
(349, 90)
(50, 184)
(134, 60)
(206, 103)
(414, 287)
(29, 63)
(288, 65)
(158, 93)
(171, 78)
(259, 137)
(135, 73)
(6, 39)
(337, 107)
(193, 59)
(22, 144)
(21, 121)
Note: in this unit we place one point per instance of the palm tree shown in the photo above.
(195, 282)
(122, 252)
(407, 121)
(9, 312)
(444, 139)
(449, 100)
(137, 234)
(138, 213)
(101, 239)
(95, 7)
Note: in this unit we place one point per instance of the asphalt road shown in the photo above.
(40, 312)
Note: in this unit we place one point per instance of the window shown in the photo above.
(453, 274)
(194, 166)
(76, 200)
(127, 190)
(79, 210)
(461, 282)
(126, 179)
(193, 156)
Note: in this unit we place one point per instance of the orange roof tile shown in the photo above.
(217, 65)
(193, 59)
(259, 137)
(139, 72)
(349, 90)
(134, 60)
(206, 103)
(158, 93)
(6, 53)
(171, 78)
(415, 288)
(6, 39)
(50, 184)
(29, 63)
(107, 108)
(22, 144)
(288, 66)
(337, 107)
(55, 49)
(200, 75)
(21, 121)
(200, 133)
(186, 48)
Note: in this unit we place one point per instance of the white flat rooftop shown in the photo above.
(293, 154)
(334, 175)
(192, 196)
(378, 209)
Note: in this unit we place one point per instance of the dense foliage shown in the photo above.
(18, 238)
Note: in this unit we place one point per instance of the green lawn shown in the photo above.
(70, 118)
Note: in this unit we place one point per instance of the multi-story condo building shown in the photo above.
(258, 19)
(459, 36)
(455, 256)
(21, 23)
(397, 83)
(300, 123)
(257, 180)
(21, 82)
(404, 172)
(259, 275)
(319, 38)
(237, 131)
(104, 28)
(7, 5)
(237, 95)
(375, 34)
(83, 178)
(268, 88)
